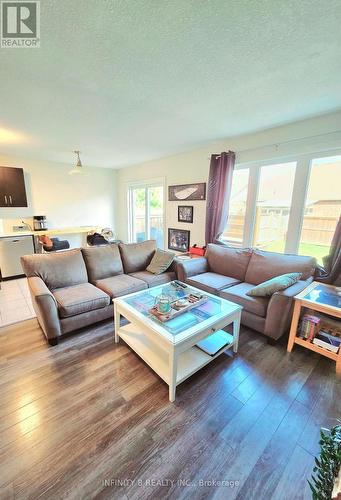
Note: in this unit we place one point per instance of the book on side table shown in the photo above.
(327, 341)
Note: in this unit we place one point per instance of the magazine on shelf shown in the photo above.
(327, 341)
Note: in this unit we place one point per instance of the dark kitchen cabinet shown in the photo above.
(12, 187)
(2, 188)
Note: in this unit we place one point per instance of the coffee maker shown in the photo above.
(39, 222)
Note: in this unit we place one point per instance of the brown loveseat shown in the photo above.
(75, 288)
(231, 273)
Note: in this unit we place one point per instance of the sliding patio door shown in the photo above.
(146, 213)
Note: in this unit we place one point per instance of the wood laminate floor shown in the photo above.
(88, 418)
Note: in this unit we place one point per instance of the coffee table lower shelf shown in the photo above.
(188, 362)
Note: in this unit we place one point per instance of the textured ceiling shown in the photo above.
(131, 80)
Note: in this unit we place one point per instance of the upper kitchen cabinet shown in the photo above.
(12, 187)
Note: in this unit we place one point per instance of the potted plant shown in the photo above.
(327, 465)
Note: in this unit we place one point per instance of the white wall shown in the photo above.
(320, 136)
(66, 200)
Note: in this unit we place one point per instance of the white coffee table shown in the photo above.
(170, 348)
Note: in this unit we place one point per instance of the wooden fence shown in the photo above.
(272, 227)
(318, 230)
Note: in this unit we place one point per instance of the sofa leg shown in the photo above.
(53, 341)
(271, 341)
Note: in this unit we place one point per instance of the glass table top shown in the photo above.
(145, 300)
(322, 294)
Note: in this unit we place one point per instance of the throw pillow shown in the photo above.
(160, 262)
(276, 284)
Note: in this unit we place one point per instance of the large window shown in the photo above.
(286, 207)
(234, 232)
(146, 213)
(322, 207)
(273, 206)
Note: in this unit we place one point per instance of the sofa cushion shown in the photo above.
(102, 261)
(237, 294)
(154, 279)
(137, 256)
(211, 282)
(228, 261)
(266, 265)
(121, 284)
(79, 299)
(277, 284)
(160, 261)
(58, 269)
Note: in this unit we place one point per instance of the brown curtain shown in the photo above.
(218, 195)
(331, 273)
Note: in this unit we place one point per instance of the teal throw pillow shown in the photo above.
(276, 284)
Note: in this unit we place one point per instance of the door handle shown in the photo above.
(10, 199)
(15, 241)
(6, 200)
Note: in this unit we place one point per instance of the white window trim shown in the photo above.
(298, 199)
(251, 201)
(299, 194)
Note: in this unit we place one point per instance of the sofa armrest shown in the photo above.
(280, 306)
(45, 306)
(188, 268)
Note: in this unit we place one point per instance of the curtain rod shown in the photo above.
(277, 144)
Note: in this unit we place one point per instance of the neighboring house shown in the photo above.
(324, 208)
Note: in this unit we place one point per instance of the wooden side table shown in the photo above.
(322, 298)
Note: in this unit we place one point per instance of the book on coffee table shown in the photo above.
(215, 342)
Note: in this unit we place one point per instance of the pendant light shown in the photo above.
(78, 168)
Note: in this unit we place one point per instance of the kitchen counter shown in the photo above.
(51, 232)
(15, 244)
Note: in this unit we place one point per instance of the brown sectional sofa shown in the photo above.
(75, 288)
(231, 273)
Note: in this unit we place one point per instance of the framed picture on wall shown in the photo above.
(178, 239)
(185, 213)
(187, 192)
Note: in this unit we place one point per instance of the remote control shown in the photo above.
(178, 283)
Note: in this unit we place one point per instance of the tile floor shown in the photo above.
(15, 302)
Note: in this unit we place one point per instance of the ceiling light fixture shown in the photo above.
(78, 168)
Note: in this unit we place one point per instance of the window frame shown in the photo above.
(298, 200)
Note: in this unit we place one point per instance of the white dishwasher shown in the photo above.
(11, 249)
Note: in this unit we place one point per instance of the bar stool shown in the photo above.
(56, 246)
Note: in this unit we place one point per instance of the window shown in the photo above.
(293, 206)
(322, 207)
(146, 213)
(273, 206)
(138, 202)
(234, 232)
